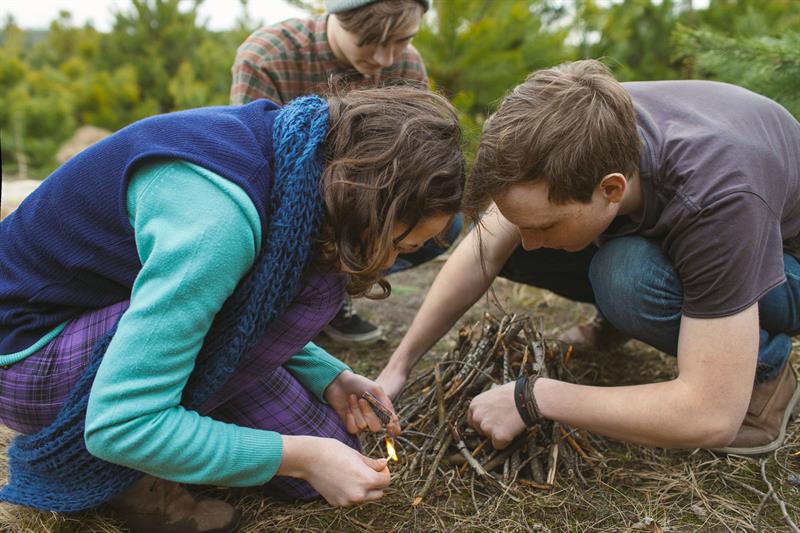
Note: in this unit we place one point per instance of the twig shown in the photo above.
(568, 355)
(500, 458)
(552, 464)
(575, 446)
(754, 490)
(439, 394)
(775, 498)
(763, 500)
(474, 453)
(471, 461)
(434, 468)
(536, 484)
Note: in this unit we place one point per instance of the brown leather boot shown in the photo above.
(155, 505)
(772, 405)
(598, 334)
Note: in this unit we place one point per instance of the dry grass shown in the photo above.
(638, 489)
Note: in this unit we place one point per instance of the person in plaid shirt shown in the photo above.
(356, 44)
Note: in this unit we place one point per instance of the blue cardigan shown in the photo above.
(52, 469)
(70, 247)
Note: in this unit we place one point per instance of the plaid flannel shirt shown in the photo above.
(293, 58)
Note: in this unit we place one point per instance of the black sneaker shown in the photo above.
(348, 327)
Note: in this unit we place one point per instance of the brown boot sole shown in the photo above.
(791, 411)
(132, 527)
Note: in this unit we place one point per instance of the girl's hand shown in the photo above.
(494, 414)
(339, 473)
(344, 395)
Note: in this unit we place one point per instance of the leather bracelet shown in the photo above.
(530, 399)
(522, 402)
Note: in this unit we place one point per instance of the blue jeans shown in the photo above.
(636, 287)
(429, 250)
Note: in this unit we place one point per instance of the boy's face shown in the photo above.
(571, 226)
(371, 58)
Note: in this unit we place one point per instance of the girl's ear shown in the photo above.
(613, 186)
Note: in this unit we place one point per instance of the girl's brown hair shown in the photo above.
(393, 157)
(569, 125)
(378, 21)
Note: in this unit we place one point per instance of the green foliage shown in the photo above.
(481, 48)
(475, 50)
(769, 18)
(767, 65)
(157, 37)
(157, 58)
(312, 6)
(160, 57)
(632, 37)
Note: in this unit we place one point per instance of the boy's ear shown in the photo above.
(613, 186)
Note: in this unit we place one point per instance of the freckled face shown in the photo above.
(369, 59)
(541, 224)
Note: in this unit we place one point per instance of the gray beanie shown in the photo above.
(337, 6)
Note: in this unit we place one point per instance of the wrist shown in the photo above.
(299, 451)
(334, 385)
(525, 400)
(400, 364)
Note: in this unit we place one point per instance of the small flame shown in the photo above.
(390, 449)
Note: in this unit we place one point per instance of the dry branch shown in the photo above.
(435, 406)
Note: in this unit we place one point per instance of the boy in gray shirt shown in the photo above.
(674, 207)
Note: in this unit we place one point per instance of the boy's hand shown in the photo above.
(392, 381)
(494, 414)
(344, 395)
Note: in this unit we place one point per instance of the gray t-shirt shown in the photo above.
(720, 175)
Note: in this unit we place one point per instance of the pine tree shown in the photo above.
(766, 65)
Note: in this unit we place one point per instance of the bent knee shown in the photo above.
(633, 269)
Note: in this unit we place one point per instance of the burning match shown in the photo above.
(390, 449)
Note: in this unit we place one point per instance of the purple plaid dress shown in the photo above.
(260, 394)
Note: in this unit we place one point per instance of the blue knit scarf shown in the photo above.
(52, 470)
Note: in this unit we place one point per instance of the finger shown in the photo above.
(369, 415)
(383, 397)
(499, 442)
(393, 428)
(381, 479)
(387, 475)
(356, 411)
(350, 423)
(375, 464)
(374, 494)
(471, 419)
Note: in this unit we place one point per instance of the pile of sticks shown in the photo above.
(433, 412)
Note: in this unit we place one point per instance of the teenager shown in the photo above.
(159, 292)
(356, 43)
(674, 206)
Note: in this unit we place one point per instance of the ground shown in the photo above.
(639, 489)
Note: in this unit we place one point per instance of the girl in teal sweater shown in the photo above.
(198, 249)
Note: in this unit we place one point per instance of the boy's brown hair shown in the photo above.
(394, 156)
(376, 22)
(569, 125)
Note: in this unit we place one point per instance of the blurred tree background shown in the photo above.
(159, 57)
